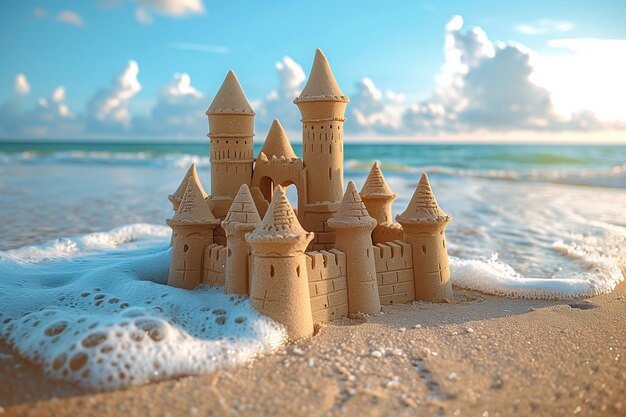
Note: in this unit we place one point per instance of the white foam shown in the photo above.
(492, 276)
(94, 310)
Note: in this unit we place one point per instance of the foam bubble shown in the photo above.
(99, 314)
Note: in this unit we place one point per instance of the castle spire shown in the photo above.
(177, 197)
(193, 209)
(280, 221)
(423, 207)
(375, 185)
(242, 210)
(352, 211)
(321, 85)
(277, 143)
(230, 98)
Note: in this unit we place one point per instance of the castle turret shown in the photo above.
(192, 227)
(242, 218)
(277, 143)
(279, 287)
(424, 225)
(177, 197)
(322, 105)
(377, 196)
(353, 229)
(231, 131)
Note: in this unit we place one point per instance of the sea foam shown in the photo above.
(94, 310)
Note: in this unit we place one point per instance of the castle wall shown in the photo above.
(214, 264)
(394, 272)
(387, 232)
(326, 272)
(314, 219)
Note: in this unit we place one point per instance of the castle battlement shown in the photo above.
(338, 253)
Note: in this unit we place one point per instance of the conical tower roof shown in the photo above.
(230, 98)
(243, 210)
(194, 209)
(423, 207)
(277, 143)
(352, 212)
(321, 85)
(280, 221)
(375, 185)
(177, 197)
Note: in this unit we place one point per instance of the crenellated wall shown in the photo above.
(214, 264)
(326, 271)
(394, 272)
(387, 232)
(314, 218)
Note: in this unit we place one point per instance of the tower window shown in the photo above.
(186, 248)
(271, 270)
(424, 249)
(330, 173)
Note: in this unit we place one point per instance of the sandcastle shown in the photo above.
(338, 253)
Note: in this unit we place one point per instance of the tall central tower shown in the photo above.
(322, 106)
(231, 129)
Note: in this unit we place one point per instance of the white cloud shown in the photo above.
(176, 8)
(200, 47)
(279, 103)
(586, 73)
(178, 112)
(70, 17)
(545, 26)
(109, 107)
(22, 86)
(371, 110)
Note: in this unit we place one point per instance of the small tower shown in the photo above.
(280, 286)
(242, 218)
(192, 227)
(177, 197)
(353, 228)
(424, 224)
(322, 105)
(277, 143)
(231, 129)
(377, 196)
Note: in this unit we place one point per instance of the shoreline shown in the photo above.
(477, 354)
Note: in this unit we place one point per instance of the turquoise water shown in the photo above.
(546, 212)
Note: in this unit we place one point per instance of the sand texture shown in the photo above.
(476, 356)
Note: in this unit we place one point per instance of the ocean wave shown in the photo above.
(93, 310)
(611, 177)
(170, 160)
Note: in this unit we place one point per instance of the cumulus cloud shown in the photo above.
(175, 8)
(279, 102)
(108, 109)
(545, 26)
(375, 111)
(70, 17)
(22, 86)
(178, 112)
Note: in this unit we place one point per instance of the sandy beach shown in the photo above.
(477, 356)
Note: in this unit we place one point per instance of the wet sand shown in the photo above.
(477, 356)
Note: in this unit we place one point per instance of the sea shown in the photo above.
(84, 248)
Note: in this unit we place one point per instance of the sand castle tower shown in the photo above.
(231, 131)
(353, 227)
(192, 227)
(276, 149)
(242, 218)
(424, 225)
(280, 287)
(377, 196)
(322, 106)
(177, 197)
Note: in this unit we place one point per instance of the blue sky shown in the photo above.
(389, 56)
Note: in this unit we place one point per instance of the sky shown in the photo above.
(531, 71)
